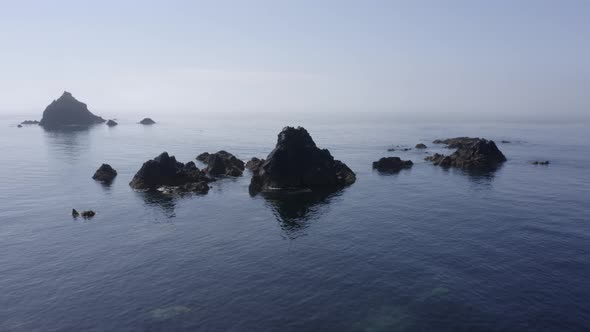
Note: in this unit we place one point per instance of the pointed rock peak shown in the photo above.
(66, 95)
(291, 136)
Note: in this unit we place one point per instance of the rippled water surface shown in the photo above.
(427, 249)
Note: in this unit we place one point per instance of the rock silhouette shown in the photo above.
(164, 170)
(147, 121)
(421, 146)
(297, 164)
(391, 164)
(480, 153)
(221, 163)
(67, 111)
(111, 123)
(105, 173)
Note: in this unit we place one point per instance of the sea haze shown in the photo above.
(427, 249)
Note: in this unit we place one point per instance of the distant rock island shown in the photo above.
(391, 164)
(298, 164)
(111, 123)
(147, 121)
(67, 111)
(471, 153)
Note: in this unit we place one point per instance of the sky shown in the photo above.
(441, 59)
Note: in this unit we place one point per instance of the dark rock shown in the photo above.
(540, 162)
(19, 126)
(67, 111)
(506, 142)
(165, 171)
(421, 146)
(297, 164)
(203, 157)
(88, 214)
(254, 164)
(391, 164)
(478, 154)
(105, 173)
(111, 123)
(400, 149)
(457, 142)
(222, 163)
(75, 213)
(30, 122)
(147, 121)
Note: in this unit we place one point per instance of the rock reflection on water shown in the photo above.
(164, 202)
(70, 140)
(296, 210)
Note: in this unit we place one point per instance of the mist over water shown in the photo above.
(424, 249)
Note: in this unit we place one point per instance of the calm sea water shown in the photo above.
(427, 249)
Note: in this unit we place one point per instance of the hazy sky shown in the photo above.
(504, 58)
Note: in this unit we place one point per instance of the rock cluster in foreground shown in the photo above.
(221, 163)
(165, 171)
(296, 163)
(105, 173)
(67, 111)
(391, 164)
(472, 153)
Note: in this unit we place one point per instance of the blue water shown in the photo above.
(427, 249)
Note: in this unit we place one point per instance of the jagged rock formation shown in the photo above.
(105, 173)
(297, 163)
(457, 142)
(254, 164)
(392, 164)
(147, 121)
(111, 123)
(165, 171)
(475, 153)
(66, 111)
(221, 163)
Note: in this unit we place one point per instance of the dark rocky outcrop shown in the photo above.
(147, 121)
(105, 173)
(221, 163)
(165, 171)
(540, 162)
(75, 213)
(19, 126)
(457, 142)
(421, 146)
(480, 153)
(297, 164)
(254, 164)
(391, 164)
(30, 122)
(111, 123)
(66, 111)
(88, 214)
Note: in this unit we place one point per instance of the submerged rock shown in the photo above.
(105, 173)
(540, 162)
(88, 214)
(457, 142)
(392, 164)
(221, 163)
(421, 146)
(480, 153)
(67, 111)
(165, 171)
(111, 123)
(296, 163)
(30, 122)
(147, 121)
(254, 164)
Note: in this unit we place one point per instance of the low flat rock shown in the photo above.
(147, 121)
(391, 164)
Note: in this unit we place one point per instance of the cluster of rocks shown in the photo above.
(297, 164)
(391, 164)
(85, 214)
(470, 153)
(221, 163)
(165, 171)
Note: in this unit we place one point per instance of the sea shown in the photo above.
(425, 249)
